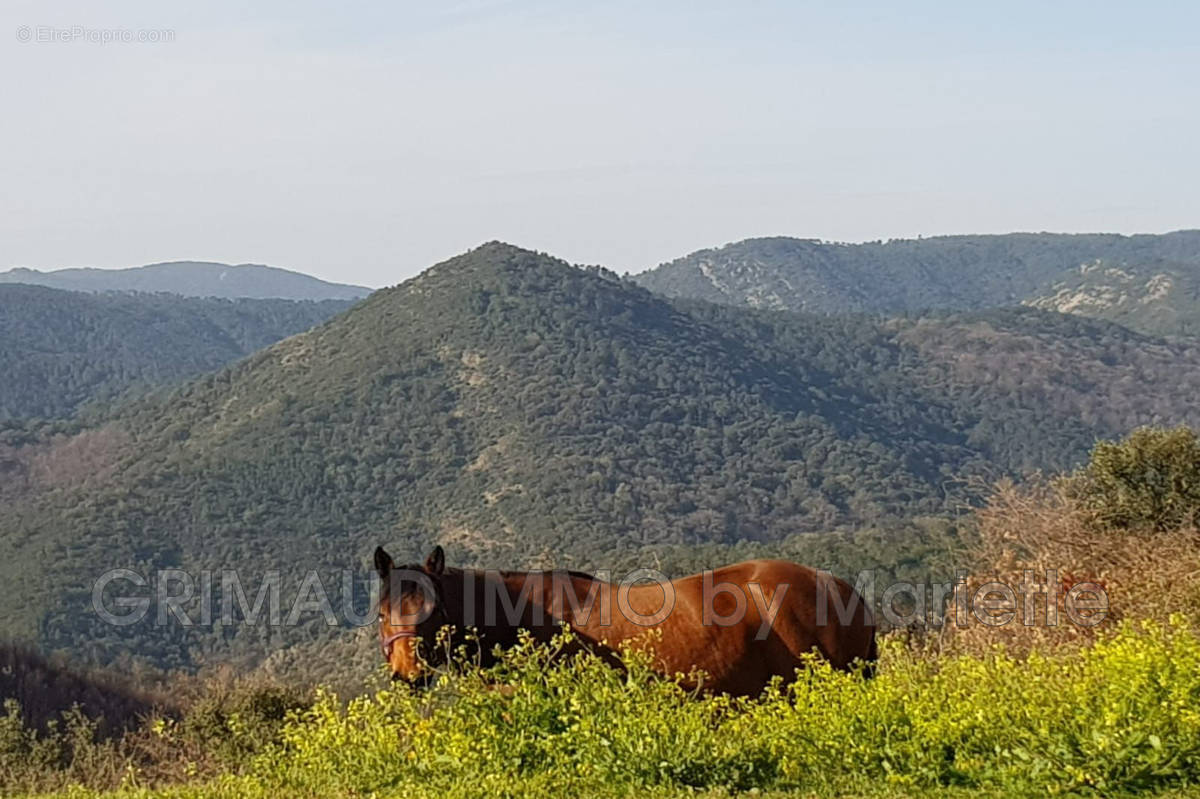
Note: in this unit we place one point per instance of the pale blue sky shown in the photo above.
(361, 142)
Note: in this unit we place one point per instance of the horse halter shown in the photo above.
(390, 641)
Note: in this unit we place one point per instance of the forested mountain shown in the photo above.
(947, 272)
(60, 350)
(525, 412)
(192, 279)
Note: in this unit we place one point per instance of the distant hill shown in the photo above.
(46, 689)
(521, 411)
(60, 350)
(1156, 297)
(948, 273)
(193, 279)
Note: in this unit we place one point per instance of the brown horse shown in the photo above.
(738, 625)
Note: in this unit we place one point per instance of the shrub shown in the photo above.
(66, 750)
(1118, 716)
(1043, 527)
(235, 722)
(223, 727)
(1150, 480)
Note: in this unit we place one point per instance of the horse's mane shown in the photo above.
(416, 567)
(525, 572)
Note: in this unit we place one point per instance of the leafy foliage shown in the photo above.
(1115, 718)
(1149, 480)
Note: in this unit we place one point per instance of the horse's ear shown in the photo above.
(436, 562)
(383, 562)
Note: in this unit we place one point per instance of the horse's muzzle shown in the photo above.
(423, 680)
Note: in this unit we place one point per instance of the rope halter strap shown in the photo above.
(390, 641)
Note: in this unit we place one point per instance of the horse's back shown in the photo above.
(815, 611)
(741, 624)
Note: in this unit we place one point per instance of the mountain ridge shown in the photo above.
(958, 273)
(192, 279)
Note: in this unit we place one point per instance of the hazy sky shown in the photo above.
(361, 142)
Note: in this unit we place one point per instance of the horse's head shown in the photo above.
(411, 611)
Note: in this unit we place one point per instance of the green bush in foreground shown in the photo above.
(1121, 716)
(1150, 479)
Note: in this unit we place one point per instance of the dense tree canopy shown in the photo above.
(1148, 481)
(60, 350)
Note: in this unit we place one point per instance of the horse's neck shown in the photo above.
(467, 593)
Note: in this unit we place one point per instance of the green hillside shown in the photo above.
(522, 411)
(906, 275)
(59, 350)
